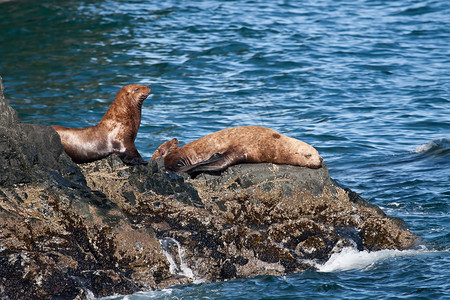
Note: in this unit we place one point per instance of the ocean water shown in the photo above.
(365, 82)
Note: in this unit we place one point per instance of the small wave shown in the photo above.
(158, 294)
(227, 48)
(436, 147)
(351, 258)
(414, 11)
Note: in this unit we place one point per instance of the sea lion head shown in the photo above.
(308, 156)
(176, 162)
(135, 93)
(165, 149)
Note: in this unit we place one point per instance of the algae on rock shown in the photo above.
(253, 219)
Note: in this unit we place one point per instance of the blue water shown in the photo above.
(365, 82)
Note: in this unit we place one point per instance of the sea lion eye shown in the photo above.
(136, 90)
(180, 164)
(308, 155)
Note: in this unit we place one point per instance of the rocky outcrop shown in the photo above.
(105, 228)
(57, 236)
(253, 219)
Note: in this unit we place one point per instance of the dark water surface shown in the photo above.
(365, 82)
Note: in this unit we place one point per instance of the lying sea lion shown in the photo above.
(247, 144)
(115, 133)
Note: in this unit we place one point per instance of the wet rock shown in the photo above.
(253, 219)
(59, 238)
(97, 229)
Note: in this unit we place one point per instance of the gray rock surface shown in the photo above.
(105, 228)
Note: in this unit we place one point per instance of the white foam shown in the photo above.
(437, 143)
(175, 269)
(351, 258)
(425, 147)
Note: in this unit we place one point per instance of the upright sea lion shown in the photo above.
(247, 144)
(115, 133)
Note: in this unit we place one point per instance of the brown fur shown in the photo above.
(247, 144)
(165, 148)
(115, 133)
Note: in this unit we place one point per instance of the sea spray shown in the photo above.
(350, 258)
(435, 148)
(175, 253)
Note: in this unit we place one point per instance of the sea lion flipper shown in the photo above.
(217, 157)
(131, 156)
(216, 162)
